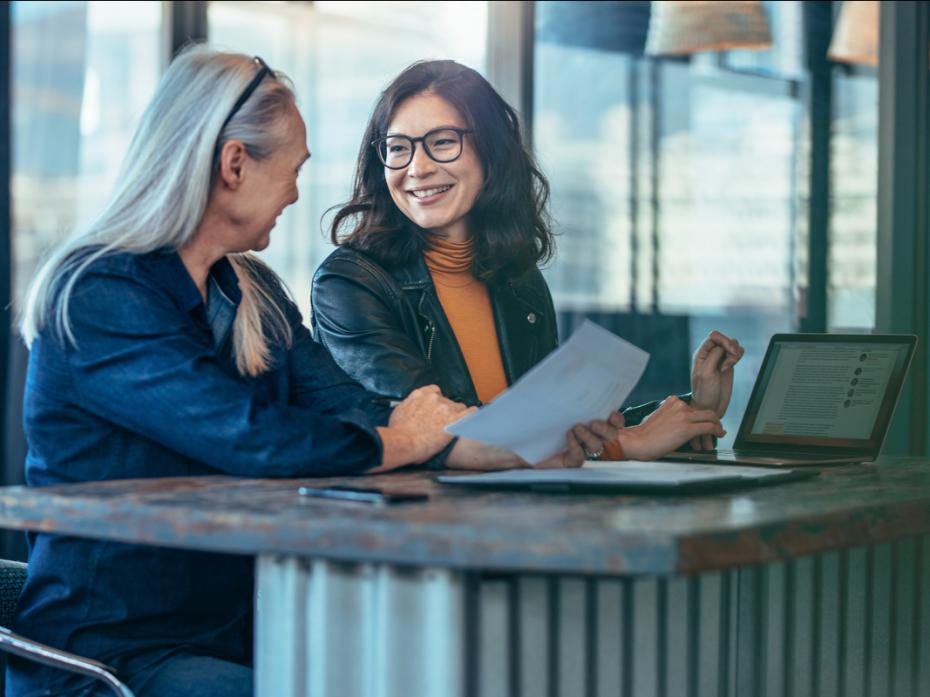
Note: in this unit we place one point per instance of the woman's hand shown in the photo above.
(712, 379)
(584, 442)
(470, 454)
(712, 373)
(667, 428)
(416, 429)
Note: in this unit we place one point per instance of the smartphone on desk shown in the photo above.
(360, 494)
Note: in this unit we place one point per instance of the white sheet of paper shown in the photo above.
(586, 378)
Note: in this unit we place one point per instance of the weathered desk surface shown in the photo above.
(525, 532)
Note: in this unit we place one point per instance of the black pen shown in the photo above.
(386, 402)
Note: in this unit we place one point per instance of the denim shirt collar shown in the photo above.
(181, 287)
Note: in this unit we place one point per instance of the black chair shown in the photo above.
(12, 578)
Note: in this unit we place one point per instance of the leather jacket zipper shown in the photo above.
(429, 346)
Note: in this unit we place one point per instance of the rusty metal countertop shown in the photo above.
(617, 535)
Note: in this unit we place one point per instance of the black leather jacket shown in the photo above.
(387, 329)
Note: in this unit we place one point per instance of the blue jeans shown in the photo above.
(190, 675)
(178, 675)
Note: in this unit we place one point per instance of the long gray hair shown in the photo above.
(162, 191)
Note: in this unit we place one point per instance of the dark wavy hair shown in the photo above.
(509, 220)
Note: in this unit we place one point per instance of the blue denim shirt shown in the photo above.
(151, 390)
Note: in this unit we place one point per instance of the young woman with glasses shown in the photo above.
(436, 281)
(161, 347)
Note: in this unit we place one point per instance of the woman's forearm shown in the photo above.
(470, 454)
(398, 448)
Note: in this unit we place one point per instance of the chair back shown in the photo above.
(12, 578)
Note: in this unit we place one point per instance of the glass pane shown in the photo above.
(337, 89)
(677, 186)
(83, 73)
(854, 200)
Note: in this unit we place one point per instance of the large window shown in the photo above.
(83, 73)
(340, 55)
(681, 187)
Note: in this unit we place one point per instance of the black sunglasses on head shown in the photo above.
(263, 70)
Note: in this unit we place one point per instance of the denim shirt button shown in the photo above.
(531, 318)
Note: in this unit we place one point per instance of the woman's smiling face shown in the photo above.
(437, 196)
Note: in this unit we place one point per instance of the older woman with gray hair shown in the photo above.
(161, 347)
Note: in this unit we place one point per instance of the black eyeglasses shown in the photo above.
(263, 70)
(441, 145)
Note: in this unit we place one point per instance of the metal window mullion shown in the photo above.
(184, 22)
(6, 207)
(901, 290)
(8, 542)
(510, 59)
(817, 21)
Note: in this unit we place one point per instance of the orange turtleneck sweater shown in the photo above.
(467, 305)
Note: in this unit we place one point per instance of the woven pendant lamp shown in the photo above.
(855, 39)
(679, 28)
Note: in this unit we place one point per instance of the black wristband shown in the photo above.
(438, 461)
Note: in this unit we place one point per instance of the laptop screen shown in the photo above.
(826, 390)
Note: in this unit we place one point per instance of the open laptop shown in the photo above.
(819, 399)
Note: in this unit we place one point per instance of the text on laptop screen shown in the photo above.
(826, 391)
